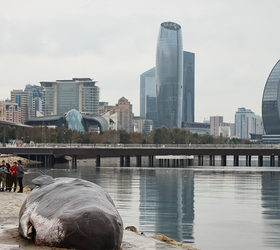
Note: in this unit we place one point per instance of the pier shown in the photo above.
(166, 155)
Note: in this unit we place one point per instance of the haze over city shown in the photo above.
(113, 42)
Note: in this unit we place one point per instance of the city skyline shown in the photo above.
(48, 40)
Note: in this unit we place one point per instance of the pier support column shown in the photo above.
(248, 160)
(160, 162)
(4, 135)
(173, 163)
(74, 161)
(151, 160)
(127, 161)
(223, 160)
(260, 160)
(200, 160)
(278, 160)
(97, 161)
(272, 161)
(211, 160)
(182, 162)
(23, 135)
(236, 160)
(138, 161)
(121, 161)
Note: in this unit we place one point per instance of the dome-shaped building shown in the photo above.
(271, 102)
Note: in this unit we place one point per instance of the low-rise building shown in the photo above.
(12, 112)
(200, 128)
(124, 112)
(2, 111)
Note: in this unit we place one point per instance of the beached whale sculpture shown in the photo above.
(72, 213)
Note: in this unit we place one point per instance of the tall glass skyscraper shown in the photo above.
(271, 102)
(169, 75)
(188, 87)
(148, 105)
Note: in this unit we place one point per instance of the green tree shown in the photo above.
(95, 138)
(206, 139)
(124, 136)
(163, 135)
(76, 136)
(136, 138)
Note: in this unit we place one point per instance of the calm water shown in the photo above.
(208, 207)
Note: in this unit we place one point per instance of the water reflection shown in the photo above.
(166, 203)
(271, 208)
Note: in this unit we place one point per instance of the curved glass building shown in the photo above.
(72, 120)
(271, 103)
(169, 75)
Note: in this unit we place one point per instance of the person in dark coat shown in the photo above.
(3, 171)
(8, 178)
(20, 174)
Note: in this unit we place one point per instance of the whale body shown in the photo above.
(72, 213)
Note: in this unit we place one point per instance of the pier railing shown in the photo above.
(93, 145)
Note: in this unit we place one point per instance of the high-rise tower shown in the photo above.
(169, 75)
(148, 105)
(188, 87)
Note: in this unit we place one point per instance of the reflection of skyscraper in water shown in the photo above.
(271, 207)
(148, 202)
(167, 202)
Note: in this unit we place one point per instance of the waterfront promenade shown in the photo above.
(173, 153)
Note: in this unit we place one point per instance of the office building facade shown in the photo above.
(22, 98)
(169, 75)
(12, 112)
(35, 99)
(188, 87)
(271, 102)
(148, 99)
(2, 111)
(246, 123)
(215, 123)
(60, 96)
(124, 112)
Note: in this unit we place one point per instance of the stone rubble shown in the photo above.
(11, 159)
(165, 239)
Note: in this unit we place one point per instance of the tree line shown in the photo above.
(161, 135)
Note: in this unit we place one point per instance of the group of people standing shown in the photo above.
(10, 176)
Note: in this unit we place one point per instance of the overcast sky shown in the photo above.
(236, 44)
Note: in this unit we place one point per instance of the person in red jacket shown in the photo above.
(13, 171)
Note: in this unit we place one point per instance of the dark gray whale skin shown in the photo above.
(71, 213)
